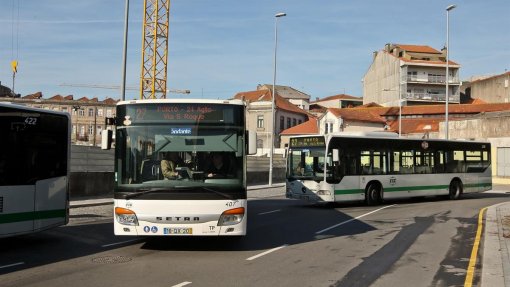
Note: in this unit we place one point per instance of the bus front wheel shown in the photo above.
(455, 190)
(373, 195)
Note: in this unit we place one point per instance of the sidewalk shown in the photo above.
(254, 192)
(496, 243)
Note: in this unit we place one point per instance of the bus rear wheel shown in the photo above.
(373, 194)
(455, 190)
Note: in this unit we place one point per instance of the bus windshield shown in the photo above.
(306, 163)
(178, 150)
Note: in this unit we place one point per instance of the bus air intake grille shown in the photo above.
(1, 204)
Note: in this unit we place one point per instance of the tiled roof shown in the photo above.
(369, 105)
(110, 101)
(69, 97)
(361, 115)
(83, 99)
(285, 91)
(418, 49)
(37, 95)
(413, 126)
(265, 95)
(476, 102)
(338, 97)
(56, 98)
(306, 128)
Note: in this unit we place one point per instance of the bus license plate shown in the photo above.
(177, 230)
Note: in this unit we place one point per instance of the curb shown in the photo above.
(493, 249)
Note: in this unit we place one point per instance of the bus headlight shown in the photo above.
(323, 192)
(125, 216)
(231, 216)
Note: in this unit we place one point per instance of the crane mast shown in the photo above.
(154, 49)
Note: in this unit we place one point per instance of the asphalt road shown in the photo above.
(418, 242)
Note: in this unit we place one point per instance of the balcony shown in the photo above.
(431, 79)
(429, 97)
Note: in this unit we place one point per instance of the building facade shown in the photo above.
(87, 115)
(495, 89)
(411, 74)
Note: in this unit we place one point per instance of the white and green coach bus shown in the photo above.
(153, 197)
(375, 166)
(34, 169)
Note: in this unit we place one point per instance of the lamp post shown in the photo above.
(447, 64)
(273, 124)
(124, 52)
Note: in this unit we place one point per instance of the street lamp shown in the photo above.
(447, 64)
(273, 124)
(124, 52)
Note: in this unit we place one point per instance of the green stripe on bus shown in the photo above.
(33, 215)
(409, 188)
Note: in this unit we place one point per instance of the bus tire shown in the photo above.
(455, 190)
(373, 194)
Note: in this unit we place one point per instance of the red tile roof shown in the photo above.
(37, 95)
(56, 98)
(307, 128)
(265, 95)
(418, 49)
(110, 101)
(69, 97)
(361, 115)
(83, 99)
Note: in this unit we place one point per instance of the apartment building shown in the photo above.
(87, 115)
(296, 97)
(413, 74)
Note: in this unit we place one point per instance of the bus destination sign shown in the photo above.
(307, 142)
(175, 112)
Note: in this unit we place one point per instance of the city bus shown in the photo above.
(34, 169)
(190, 200)
(374, 166)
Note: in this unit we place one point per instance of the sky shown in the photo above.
(219, 48)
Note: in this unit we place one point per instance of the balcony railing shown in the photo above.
(430, 79)
(430, 97)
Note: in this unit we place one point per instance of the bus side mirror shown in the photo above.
(106, 139)
(252, 142)
(336, 156)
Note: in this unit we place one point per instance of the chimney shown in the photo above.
(387, 47)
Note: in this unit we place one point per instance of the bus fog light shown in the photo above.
(231, 216)
(324, 192)
(125, 216)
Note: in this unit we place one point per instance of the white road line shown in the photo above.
(269, 212)
(12, 265)
(119, 243)
(182, 284)
(352, 219)
(266, 252)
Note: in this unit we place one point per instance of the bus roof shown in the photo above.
(381, 135)
(32, 109)
(182, 101)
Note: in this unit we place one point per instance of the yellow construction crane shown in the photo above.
(154, 49)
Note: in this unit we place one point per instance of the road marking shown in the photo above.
(352, 219)
(182, 284)
(12, 265)
(266, 252)
(474, 253)
(119, 243)
(269, 212)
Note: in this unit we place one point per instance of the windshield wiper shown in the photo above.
(141, 192)
(218, 192)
